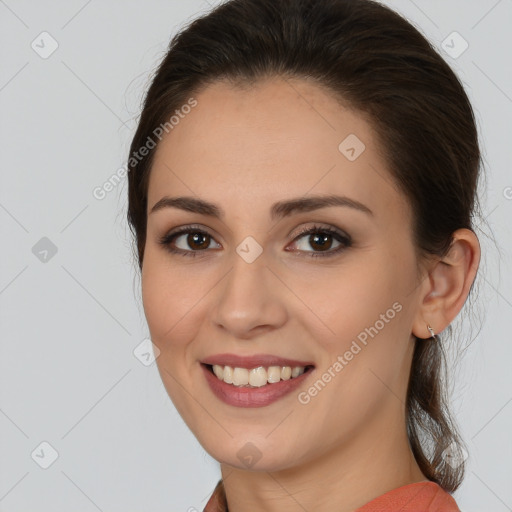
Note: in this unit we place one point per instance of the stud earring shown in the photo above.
(431, 331)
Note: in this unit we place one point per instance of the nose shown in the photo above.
(251, 300)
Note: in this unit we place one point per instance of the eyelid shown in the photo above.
(187, 227)
(301, 231)
(342, 237)
(319, 228)
(183, 230)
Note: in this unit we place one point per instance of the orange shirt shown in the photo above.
(423, 496)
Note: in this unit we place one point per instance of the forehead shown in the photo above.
(275, 139)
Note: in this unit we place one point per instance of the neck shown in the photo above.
(344, 478)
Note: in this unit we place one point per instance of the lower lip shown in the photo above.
(252, 397)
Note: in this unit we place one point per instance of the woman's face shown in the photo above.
(247, 289)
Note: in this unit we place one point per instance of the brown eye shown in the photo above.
(321, 240)
(197, 240)
(191, 241)
(187, 242)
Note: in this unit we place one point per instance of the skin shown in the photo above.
(244, 149)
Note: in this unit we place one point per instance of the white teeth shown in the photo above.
(240, 376)
(228, 375)
(256, 377)
(219, 371)
(274, 374)
(297, 370)
(286, 372)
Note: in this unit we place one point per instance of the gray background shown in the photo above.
(71, 320)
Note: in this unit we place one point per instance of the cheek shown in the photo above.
(155, 285)
(364, 325)
(351, 300)
(168, 297)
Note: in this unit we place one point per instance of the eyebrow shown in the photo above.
(278, 210)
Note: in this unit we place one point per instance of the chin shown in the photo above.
(256, 454)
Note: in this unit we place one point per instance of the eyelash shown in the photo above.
(345, 240)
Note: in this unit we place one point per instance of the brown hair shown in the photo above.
(377, 62)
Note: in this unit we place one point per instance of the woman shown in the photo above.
(301, 187)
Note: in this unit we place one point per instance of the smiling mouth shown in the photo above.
(256, 377)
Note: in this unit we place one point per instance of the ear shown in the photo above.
(447, 286)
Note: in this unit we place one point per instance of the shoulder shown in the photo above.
(217, 501)
(424, 496)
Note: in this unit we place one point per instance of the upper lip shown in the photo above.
(253, 361)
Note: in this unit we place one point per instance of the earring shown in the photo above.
(431, 331)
